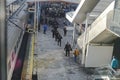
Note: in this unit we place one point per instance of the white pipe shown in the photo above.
(74, 33)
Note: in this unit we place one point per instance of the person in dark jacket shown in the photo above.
(68, 49)
(59, 39)
(65, 31)
(55, 27)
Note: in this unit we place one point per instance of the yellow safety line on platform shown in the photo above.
(33, 44)
(28, 74)
(32, 47)
(32, 53)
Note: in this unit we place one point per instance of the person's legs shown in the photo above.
(44, 31)
(75, 58)
(55, 38)
(64, 33)
(60, 43)
(52, 35)
(68, 53)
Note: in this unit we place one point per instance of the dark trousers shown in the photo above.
(53, 35)
(59, 42)
(56, 38)
(64, 33)
(75, 58)
(67, 53)
(44, 32)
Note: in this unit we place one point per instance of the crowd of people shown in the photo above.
(48, 19)
(56, 35)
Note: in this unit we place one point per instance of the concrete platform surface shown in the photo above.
(51, 62)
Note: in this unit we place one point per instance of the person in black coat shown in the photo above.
(65, 31)
(68, 49)
(59, 39)
(55, 27)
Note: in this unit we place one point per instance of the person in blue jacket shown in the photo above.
(44, 28)
(114, 63)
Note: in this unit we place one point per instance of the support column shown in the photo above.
(74, 33)
(84, 40)
(37, 15)
(3, 41)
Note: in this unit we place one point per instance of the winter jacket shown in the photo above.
(114, 63)
(76, 52)
(45, 27)
(68, 47)
(59, 37)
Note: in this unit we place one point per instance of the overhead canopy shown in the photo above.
(99, 8)
(93, 7)
(84, 7)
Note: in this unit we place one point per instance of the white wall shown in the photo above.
(97, 56)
